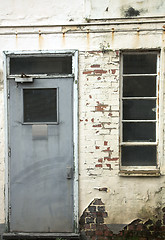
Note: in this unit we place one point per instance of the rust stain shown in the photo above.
(16, 40)
(63, 39)
(40, 41)
(88, 40)
(163, 34)
(136, 41)
(112, 40)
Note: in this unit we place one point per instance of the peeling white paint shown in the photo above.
(126, 198)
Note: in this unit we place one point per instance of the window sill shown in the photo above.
(140, 173)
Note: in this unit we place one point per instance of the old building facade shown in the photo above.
(82, 119)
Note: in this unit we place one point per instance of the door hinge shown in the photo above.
(9, 210)
(8, 94)
(9, 152)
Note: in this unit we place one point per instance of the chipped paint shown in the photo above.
(77, 26)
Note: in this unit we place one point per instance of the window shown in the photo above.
(139, 102)
(40, 105)
(40, 65)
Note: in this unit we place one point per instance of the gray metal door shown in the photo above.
(41, 156)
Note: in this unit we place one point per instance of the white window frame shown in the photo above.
(140, 170)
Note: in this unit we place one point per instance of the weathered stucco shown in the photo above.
(99, 45)
(125, 8)
(21, 12)
(48, 12)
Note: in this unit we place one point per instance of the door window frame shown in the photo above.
(6, 58)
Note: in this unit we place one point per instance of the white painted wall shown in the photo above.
(127, 198)
(22, 12)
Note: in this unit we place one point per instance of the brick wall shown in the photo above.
(99, 109)
(92, 226)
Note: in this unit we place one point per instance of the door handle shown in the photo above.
(69, 172)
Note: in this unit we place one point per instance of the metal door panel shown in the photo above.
(41, 195)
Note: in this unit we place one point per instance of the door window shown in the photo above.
(40, 105)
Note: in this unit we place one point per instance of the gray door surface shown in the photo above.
(41, 155)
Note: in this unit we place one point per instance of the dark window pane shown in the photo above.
(40, 105)
(139, 86)
(139, 131)
(139, 109)
(41, 65)
(138, 155)
(139, 63)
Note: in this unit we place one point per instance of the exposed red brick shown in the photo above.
(98, 202)
(111, 159)
(113, 71)
(107, 150)
(97, 125)
(97, 147)
(90, 96)
(87, 72)
(99, 233)
(108, 165)
(93, 226)
(86, 120)
(107, 158)
(139, 227)
(81, 120)
(87, 226)
(100, 160)
(99, 78)
(105, 143)
(117, 53)
(110, 114)
(95, 66)
(100, 71)
(92, 120)
(101, 107)
(98, 165)
(131, 227)
(114, 159)
(90, 233)
(107, 233)
(92, 209)
(93, 52)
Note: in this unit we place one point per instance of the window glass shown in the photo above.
(41, 65)
(139, 86)
(139, 63)
(40, 105)
(139, 131)
(141, 109)
(138, 156)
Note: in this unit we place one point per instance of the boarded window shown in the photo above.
(139, 109)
